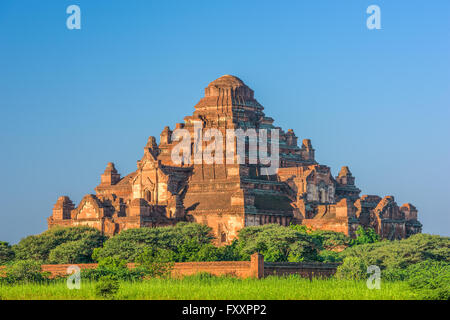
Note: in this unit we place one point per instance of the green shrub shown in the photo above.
(207, 252)
(115, 268)
(150, 263)
(301, 228)
(329, 256)
(431, 279)
(352, 268)
(155, 262)
(107, 287)
(229, 252)
(395, 274)
(112, 264)
(399, 254)
(423, 260)
(39, 247)
(364, 236)
(6, 253)
(24, 271)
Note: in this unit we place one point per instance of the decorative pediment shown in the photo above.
(89, 208)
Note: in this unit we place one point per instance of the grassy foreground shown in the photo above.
(221, 288)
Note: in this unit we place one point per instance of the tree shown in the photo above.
(332, 240)
(79, 251)
(329, 240)
(367, 235)
(6, 253)
(278, 243)
(399, 254)
(38, 247)
(185, 240)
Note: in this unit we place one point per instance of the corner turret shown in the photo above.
(110, 176)
(307, 151)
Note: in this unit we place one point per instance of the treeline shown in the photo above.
(180, 243)
(194, 242)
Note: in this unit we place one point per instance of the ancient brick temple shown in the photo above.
(230, 196)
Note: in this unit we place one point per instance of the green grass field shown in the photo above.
(222, 288)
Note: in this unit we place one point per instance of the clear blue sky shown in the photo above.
(72, 100)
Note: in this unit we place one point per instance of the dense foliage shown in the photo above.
(431, 279)
(183, 242)
(107, 287)
(149, 264)
(60, 245)
(194, 242)
(278, 243)
(23, 271)
(331, 242)
(155, 263)
(296, 243)
(364, 236)
(6, 253)
(422, 260)
(113, 269)
(399, 254)
(352, 268)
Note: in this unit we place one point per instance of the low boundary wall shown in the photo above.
(242, 269)
(304, 269)
(255, 268)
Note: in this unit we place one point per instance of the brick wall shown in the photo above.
(242, 269)
(304, 269)
(61, 269)
(255, 268)
(336, 224)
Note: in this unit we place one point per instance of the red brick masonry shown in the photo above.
(255, 268)
(304, 269)
(230, 196)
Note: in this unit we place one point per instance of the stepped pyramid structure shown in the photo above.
(231, 195)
